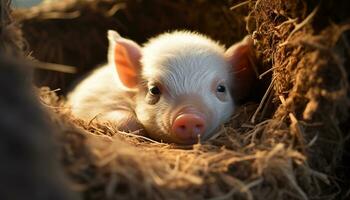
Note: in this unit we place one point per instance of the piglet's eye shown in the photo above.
(153, 94)
(154, 90)
(221, 88)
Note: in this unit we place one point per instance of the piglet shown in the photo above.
(179, 87)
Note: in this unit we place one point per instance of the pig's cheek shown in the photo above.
(224, 109)
(225, 113)
(146, 114)
(221, 113)
(151, 116)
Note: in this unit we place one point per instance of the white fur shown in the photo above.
(98, 94)
(185, 63)
(183, 58)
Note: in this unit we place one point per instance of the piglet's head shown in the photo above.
(183, 82)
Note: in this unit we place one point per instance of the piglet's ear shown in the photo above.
(125, 55)
(241, 56)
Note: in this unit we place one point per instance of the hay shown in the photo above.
(107, 164)
(292, 152)
(310, 77)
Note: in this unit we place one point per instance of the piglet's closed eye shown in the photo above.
(125, 55)
(241, 56)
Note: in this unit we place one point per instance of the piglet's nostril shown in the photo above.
(199, 126)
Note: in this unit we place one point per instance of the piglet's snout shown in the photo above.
(188, 126)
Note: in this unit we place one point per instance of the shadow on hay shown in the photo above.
(29, 160)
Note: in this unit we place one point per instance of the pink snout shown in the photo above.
(188, 126)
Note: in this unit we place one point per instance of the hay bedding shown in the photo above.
(293, 154)
(107, 165)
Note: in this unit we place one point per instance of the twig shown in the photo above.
(266, 72)
(55, 67)
(262, 101)
(282, 99)
(253, 63)
(266, 106)
(299, 132)
(313, 140)
(59, 15)
(256, 4)
(140, 136)
(240, 5)
(286, 22)
(245, 125)
(51, 91)
(115, 9)
(221, 130)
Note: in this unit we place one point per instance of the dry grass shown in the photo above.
(105, 163)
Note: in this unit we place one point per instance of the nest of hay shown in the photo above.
(297, 152)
